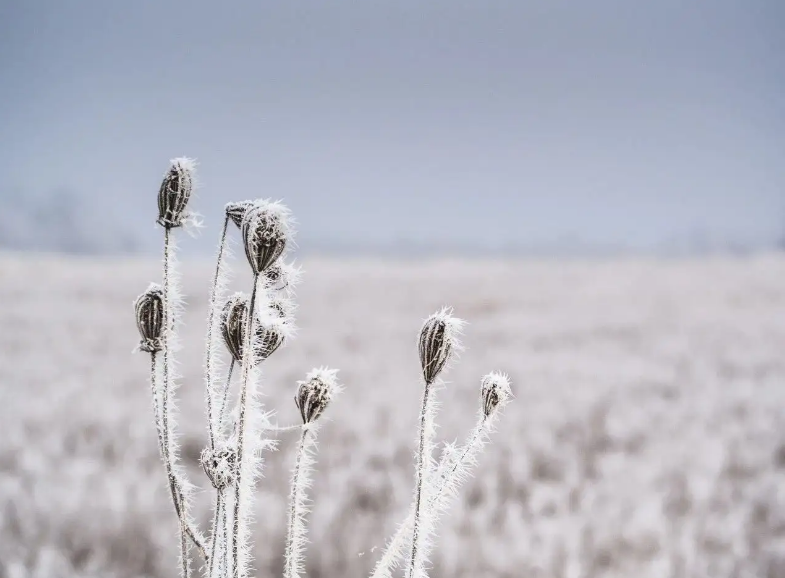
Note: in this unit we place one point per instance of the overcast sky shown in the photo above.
(484, 124)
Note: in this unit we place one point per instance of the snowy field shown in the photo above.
(647, 437)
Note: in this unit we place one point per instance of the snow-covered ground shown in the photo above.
(647, 437)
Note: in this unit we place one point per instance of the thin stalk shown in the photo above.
(156, 408)
(224, 398)
(217, 532)
(421, 471)
(173, 487)
(295, 537)
(247, 361)
(212, 322)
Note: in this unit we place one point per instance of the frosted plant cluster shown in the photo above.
(250, 329)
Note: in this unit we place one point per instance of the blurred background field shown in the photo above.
(646, 436)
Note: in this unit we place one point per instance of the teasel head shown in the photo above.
(175, 191)
(234, 317)
(149, 307)
(439, 339)
(495, 391)
(266, 231)
(314, 394)
(236, 211)
(220, 465)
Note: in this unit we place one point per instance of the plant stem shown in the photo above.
(227, 385)
(295, 537)
(167, 322)
(247, 361)
(421, 471)
(211, 424)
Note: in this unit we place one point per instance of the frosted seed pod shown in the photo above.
(236, 211)
(234, 317)
(495, 391)
(315, 393)
(174, 193)
(438, 339)
(220, 465)
(265, 233)
(149, 308)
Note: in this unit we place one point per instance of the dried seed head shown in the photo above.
(149, 307)
(495, 391)
(265, 230)
(268, 339)
(236, 211)
(234, 318)
(282, 308)
(438, 339)
(220, 465)
(315, 393)
(174, 193)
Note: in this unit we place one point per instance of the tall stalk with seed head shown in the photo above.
(313, 396)
(266, 232)
(439, 339)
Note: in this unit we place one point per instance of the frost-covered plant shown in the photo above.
(251, 328)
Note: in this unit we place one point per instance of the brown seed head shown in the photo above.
(174, 193)
(236, 211)
(495, 391)
(314, 394)
(438, 339)
(149, 308)
(265, 233)
(234, 318)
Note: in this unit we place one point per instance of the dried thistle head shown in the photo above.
(220, 465)
(236, 211)
(176, 189)
(439, 338)
(314, 394)
(266, 231)
(234, 317)
(495, 391)
(149, 308)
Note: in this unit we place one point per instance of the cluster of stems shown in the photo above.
(242, 333)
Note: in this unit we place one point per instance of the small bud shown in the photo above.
(234, 317)
(315, 393)
(149, 309)
(174, 193)
(438, 339)
(220, 465)
(236, 211)
(265, 231)
(495, 391)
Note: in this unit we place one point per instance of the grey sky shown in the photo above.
(624, 124)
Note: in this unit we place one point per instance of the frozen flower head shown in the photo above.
(234, 317)
(174, 193)
(265, 229)
(269, 337)
(236, 211)
(315, 393)
(439, 338)
(270, 334)
(220, 466)
(149, 307)
(495, 391)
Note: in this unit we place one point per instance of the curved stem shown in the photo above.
(211, 424)
(224, 398)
